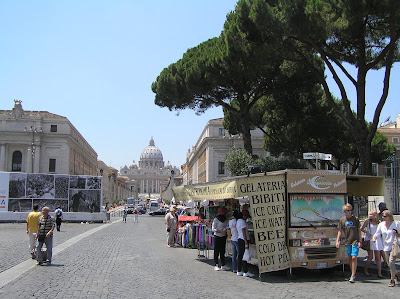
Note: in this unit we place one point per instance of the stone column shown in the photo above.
(3, 157)
(29, 160)
(37, 160)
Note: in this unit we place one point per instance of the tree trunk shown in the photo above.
(364, 151)
(246, 135)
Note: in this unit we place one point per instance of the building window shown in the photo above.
(221, 132)
(52, 165)
(395, 140)
(16, 161)
(53, 128)
(221, 167)
(374, 169)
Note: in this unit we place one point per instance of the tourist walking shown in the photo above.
(124, 215)
(59, 217)
(369, 227)
(171, 224)
(32, 223)
(45, 236)
(219, 228)
(135, 216)
(389, 231)
(349, 226)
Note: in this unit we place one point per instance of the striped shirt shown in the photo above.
(45, 224)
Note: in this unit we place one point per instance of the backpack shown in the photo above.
(58, 213)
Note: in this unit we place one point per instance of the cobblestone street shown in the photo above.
(118, 260)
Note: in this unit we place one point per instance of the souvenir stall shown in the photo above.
(196, 231)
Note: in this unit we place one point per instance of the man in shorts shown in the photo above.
(349, 225)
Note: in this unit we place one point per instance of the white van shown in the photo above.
(153, 205)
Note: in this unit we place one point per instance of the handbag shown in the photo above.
(246, 256)
(396, 249)
(41, 238)
(365, 244)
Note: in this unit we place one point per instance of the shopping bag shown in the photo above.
(396, 249)
(246, 256)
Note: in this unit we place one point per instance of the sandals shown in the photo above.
(391, 284)
(397, 277)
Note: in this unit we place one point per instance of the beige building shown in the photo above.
(392, 131)
(205, 162)
(43, 142)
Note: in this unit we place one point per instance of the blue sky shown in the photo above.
(94, 62)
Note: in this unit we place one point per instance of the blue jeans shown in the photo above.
(49, 245)
(235, 252)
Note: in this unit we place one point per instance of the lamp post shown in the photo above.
(33, 130)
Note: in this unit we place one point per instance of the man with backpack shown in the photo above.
(59, 216)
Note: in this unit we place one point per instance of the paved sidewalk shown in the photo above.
(131, 260)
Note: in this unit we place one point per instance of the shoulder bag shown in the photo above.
(365, 244)
(396, 249)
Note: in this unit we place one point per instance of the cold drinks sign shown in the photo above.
(267, 197)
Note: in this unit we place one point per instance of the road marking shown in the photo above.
(13, 273)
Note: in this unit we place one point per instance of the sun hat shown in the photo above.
(221, 211)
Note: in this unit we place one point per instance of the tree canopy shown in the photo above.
(363, 34)
(229, 71)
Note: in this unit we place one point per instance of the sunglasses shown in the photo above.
(348, 210)
(384, 216)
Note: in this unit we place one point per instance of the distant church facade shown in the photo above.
(152, 175)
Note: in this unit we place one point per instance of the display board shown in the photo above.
(267, 199)
(20, 191)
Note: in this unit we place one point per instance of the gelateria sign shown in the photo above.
(316, 182)
(267, 200)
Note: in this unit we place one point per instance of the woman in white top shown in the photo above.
(234, 239)
(389, 230)
(219, 228)
(369, 228)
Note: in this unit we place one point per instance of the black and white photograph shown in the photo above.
(61, 184)
(84, 200)
(40, 186)
(93, 182)
(20, 205)
(17, 185)
(77, 182)
(53, 204)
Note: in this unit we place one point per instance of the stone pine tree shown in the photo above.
(362, 34)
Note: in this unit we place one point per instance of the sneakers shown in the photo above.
(352, 279)
(39, 263)
(240, 274)
(216, 268)
(248, 274)
(225, 268)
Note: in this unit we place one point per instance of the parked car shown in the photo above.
(130, 210)
(161, 211)
(141, 210)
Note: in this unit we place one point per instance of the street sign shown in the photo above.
(320, 156)
(326, 157)
(309, 156)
